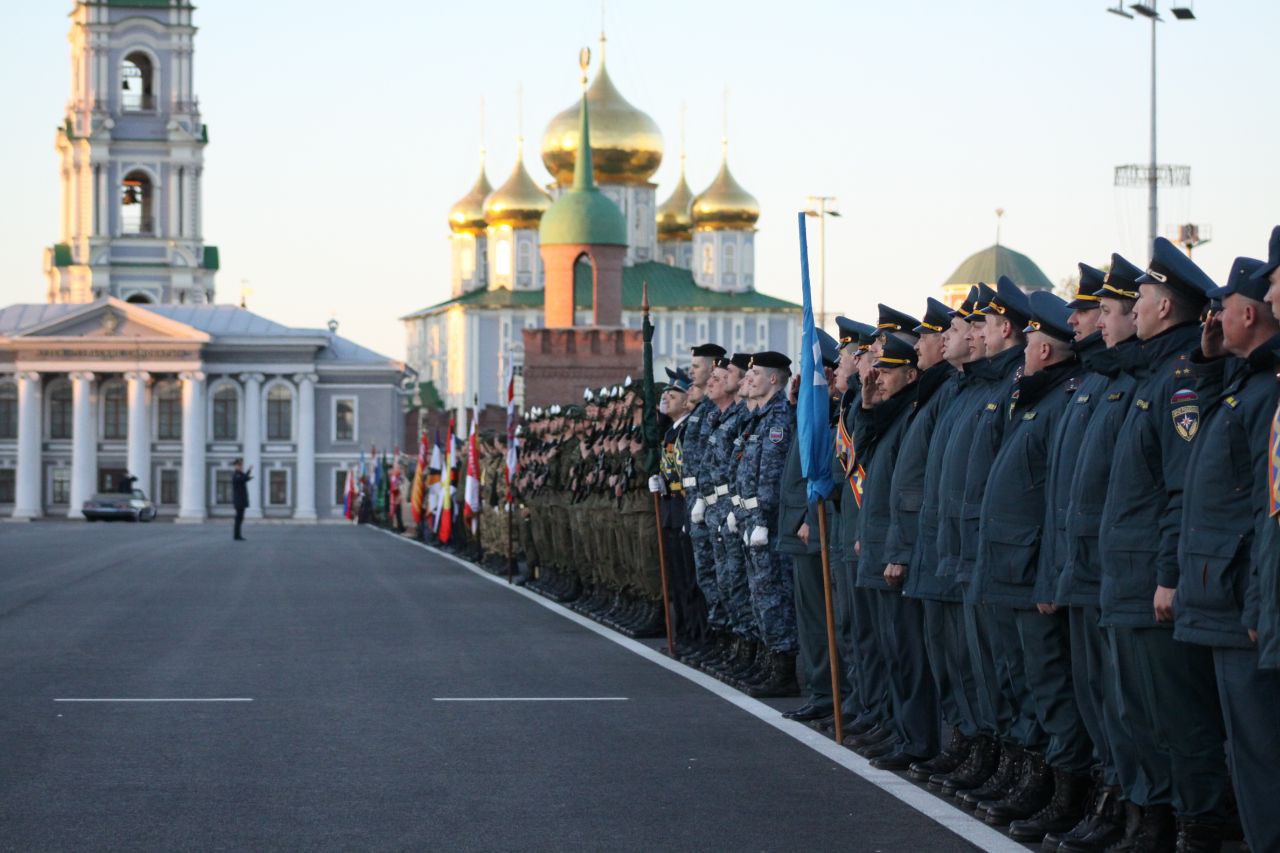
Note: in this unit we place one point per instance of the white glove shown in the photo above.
(746, 539)
(731, 522)
(759, 536)
(698, 512)
(655, 484)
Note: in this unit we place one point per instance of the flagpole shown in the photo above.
(657, 508)
(832, 653)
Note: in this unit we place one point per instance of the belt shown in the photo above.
(689, 482)
(737, 501)
(722, 489)
(674, 486)
(750, 503)
(711, 498)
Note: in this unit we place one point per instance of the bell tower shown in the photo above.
(131, 160)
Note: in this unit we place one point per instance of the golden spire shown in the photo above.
(467, 214)
(519, 202)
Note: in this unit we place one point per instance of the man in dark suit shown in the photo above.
(240, 493)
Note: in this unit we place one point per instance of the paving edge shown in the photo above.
(959, 822)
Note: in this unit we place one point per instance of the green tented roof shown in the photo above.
(583, 217)
(62, 255)
(669, 288)
(995, 261)
(210, 260)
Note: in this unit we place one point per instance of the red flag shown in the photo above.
(512, 458)
(446, 498)
(471, 510)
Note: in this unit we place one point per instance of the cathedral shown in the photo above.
(695, 252)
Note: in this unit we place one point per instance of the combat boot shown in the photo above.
(1157, 832)
(995, 784)
(1197, 835)
(944, 762)
(780, 679)
(1064, 810)
(649, 622)
(979, 764)
(1032, 793)
(751, 671)
(1103, 824)
(743, 661)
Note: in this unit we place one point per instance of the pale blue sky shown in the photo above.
(340, 135)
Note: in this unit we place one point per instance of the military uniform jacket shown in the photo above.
(718, 455)
(1081, 566)
(1138, 537)
(925, 557)
(847, 528)
(743, 467)
(1014, 501)
(764, 457)
(697, 428)
(950, 450)
(903, 543)
(1083, 388)
(878, 438)
(793, 506)
(673, 505)
(1225, 499)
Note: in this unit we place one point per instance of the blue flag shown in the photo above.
(813, 427)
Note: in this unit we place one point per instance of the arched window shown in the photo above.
(136, 208)
(168, 400)
(708, 259)
(279, 413)
(136, 81)
(502, 257)
(226, 413)
(60, 409)
(467, 260)
(8, 410)
(115, 411)
(524, 254)
(730, 259)
(139, 299)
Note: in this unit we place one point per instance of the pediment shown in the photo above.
(112, 319)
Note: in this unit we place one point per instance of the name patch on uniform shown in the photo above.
(1115, 395)
(777, 434)
(1186, 421)
(1083, 398)
(1028, 416)
(1231, 401)
(991, 407)
(1142, 404)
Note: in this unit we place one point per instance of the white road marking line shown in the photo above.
(959, 822)
(156, 700)
(530, 699)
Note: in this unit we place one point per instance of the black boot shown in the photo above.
(780, 679)
(944, 762)
(1157, 831)
(1032, 793)
(1103, 825)
(1196, 835)
(997, 784)
(1068, 805)
(977, 767)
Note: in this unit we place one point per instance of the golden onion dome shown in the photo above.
(675, 221)
(626, 145)
(519, 202)
(467, 214)
(725, 205)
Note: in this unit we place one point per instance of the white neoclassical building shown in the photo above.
(172, 395)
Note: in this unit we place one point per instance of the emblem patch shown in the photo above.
(776, 434)
(1185, 395)
(1083, 398)
(1186, 421)
(1142, 404)
(991, 407)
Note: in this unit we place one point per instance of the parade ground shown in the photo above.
(324, 687)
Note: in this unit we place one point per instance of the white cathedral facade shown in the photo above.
(129, 367)
(696, 253)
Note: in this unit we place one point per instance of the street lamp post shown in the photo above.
(822, 206)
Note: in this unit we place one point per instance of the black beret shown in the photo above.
(709, 350)
(741, 360)
(769, 358)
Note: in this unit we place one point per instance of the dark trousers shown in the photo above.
(239, 519)
(1250, 697)
(811, 629)
(1149, 784)
(911, 688)
(1046, 649)
(1099, 708)
(873, 673)
(949, 662)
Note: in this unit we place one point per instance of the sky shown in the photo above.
(340, 136)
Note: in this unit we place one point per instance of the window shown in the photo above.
(279, 413)
(169, 486)
(344, 420)
(468, 260)
(168, 411)
(136, 197)
(730, 259)
(61, 485)
(8, 410)
(339, 486)
(60, 410)
(136, 91)
(278, 487)
(226, 413)
(222, 486)
(7, 485)
(502, 257)
(115, 417)
(708, 259)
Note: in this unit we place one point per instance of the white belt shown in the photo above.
(689, 482)
(750, 503)
(711, 499)
(722, 489)
(737, 501)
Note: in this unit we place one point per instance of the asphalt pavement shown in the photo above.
(338, 644)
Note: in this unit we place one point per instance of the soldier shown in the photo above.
(702, 362)
(798, 537)
(1055, 782)
(1264, 605)
(1159, 679)
(759, 474)
(1227, 473)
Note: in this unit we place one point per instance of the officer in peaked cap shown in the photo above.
(1008, 301)
(965, 308)
(830, 348)
(937, 318)
(979, 301)
(1086, 302)
(1268, 572)
(852, 332)
(893, 320)
(896, 353)
(678, 379)
(1273, 256)
(1163, 685)
(1049, 315)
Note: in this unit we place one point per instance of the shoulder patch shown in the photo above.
(1083, 398)
(1142, 404)
(1186, 421)
(777, 434)
(1115, 395)
(1231, 401)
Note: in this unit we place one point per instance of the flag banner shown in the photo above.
(417, 497)
(445, 522)
(471, 511)
(813, 406)
(349, 496)
(512, 453)
(848, 455)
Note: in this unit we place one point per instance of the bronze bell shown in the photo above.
(131, 195)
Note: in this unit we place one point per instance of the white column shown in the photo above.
(27, 502)
(253, 440)
(139, 461)
(192, 505)
(305, 506)
(84, 443)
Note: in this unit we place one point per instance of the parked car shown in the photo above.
(134, 507)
